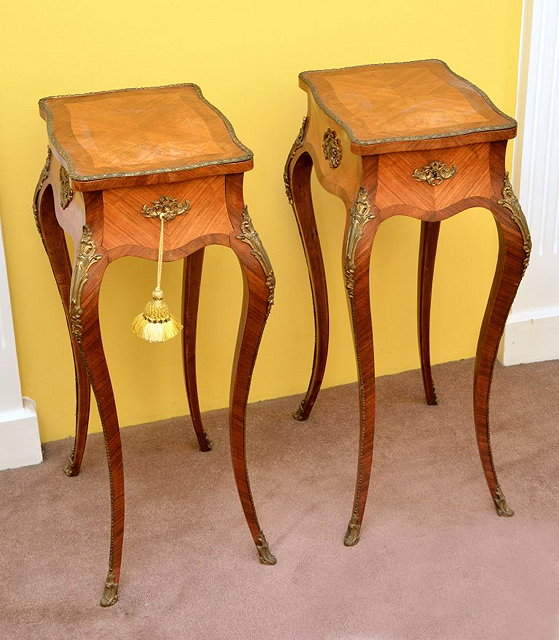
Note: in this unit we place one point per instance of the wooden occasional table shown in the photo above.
(409, 139)
(115, 159)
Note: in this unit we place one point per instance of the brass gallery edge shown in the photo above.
(43, 107)
(512, 124)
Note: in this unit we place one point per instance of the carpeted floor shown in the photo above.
(435, 562)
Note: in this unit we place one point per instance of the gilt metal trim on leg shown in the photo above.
(301, 412)
(503, 508)
(295, 147)
(209, 443)
(266, 556)
(42, 177)
(86, 256)
(71, 468)
(360, 214)
(110, 592)
(510, 201)
(250, 236)
(353, 531)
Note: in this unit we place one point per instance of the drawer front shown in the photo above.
(435, 179)
(125, 224)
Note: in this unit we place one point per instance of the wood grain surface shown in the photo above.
(129, 136)
(404, 106)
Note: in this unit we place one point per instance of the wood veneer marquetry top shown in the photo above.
(406, 105)
(131, 133)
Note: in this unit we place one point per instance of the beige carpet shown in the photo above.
(435, 562)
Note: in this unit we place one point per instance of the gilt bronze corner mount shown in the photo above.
(332, 148)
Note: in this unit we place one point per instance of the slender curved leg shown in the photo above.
(57, 251)
(514, 251)
(94, 357)
(88, 273)
(427, 252)
(298, 189)
(192, 275)
(360, 232)
(259, 284)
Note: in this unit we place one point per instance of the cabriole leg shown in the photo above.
(427, 252)
(359, 235)
(89, 268)
(514, 251)
(297, 179)
(259, 283)
(192, 276)
(55, 246)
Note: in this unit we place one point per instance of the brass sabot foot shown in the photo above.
(71, 468)
(266, 556)
(301, 412)
(209, 443)
(353, 532)
(110, 593)
(434, 399)
(503, 508)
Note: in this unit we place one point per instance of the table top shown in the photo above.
(406, 103)
(170, 132)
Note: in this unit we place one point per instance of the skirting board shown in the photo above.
(20, 445)
(531, 336)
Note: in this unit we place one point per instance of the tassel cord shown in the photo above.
(160, 254)
(156, 324)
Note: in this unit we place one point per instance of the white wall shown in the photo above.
(532, 330)
(19, 429)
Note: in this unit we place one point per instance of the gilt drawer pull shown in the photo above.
(166, 208)
(434, 173)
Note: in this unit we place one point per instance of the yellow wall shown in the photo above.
(245, 55)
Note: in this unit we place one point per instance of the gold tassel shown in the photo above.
(156, 324)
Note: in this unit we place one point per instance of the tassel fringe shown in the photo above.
(156, 324)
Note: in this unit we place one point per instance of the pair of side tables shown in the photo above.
(408, 139)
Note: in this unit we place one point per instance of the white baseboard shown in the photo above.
(531, 336)
(19, 437)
